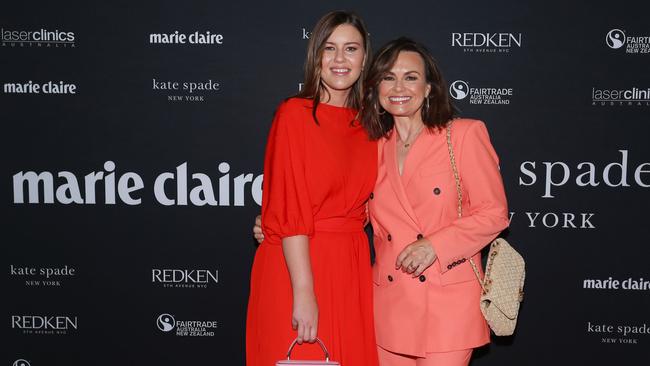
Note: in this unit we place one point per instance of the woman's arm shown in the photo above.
(305, 309)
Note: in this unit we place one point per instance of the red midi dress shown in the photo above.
(317, 178)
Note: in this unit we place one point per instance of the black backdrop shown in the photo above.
(160, 277)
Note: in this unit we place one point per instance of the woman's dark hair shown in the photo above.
(439, 110)
(314, 87)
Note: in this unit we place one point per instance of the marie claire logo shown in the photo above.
(616, 39)
(36, 38)
(620, 97)
(167, 323)
(461, 90)
(177, 187)
(628, 284)
(42, 276)
(21, 362)
(184, 278)
(186, 91)
(618, 333)
(50, 87)
(198, 38)
(486, 42)
(44, 324)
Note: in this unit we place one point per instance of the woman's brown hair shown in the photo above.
(314, 87)
(437, 108)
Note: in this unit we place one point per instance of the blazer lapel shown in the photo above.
(392, 171)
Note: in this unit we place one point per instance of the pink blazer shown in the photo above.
(439, 310)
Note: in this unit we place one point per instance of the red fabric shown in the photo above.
(317, 179)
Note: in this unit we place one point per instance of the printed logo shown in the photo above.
(196, 38)
(617, 39)
(620, 97)
(618, 333)
(50, 87)
(166, 323)
(186, 91)
(460, 90)
(628, 284)
(38, 38)
(43, 324)
(185, 278)
(584, 175)
(305, 34)
(178, 187)
(21, 362)
(42, 276)
(486, 42)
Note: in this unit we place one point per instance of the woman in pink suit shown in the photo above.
(426, 296)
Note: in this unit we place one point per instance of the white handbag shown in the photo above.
(291, 362)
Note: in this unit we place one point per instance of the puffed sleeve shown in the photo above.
(487, 214)
(286, 207)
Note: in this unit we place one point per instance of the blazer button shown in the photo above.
(390, 278)
(449, 266)
(436, 191)
(420, 236)
(372, 195)
(422, 278)
(389, 237)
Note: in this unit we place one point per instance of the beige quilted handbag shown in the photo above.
(503, 284)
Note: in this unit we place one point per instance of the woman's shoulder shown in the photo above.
(295, 105)
(465, 124)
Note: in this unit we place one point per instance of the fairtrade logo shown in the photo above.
(166, 322)
(21, 362)
(459, 89)
(615, 39)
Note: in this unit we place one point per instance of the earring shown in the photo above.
(427, 103)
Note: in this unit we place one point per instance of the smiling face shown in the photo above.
(343, 57)
(403, 89)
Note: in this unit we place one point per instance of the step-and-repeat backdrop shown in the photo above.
(132, 149)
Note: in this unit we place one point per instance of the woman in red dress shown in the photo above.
(311, 276)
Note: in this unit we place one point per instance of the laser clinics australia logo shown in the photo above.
(461, 90)
(486, 42)
(21, 362)
(629, 97)
(626, 284)
(44, 324)
(184, 278)
(36, 38)
(49, 87)
(630, 334)
(185, 91)
(618, 40)
(167, 323)
(169, 188)
(196, 38)
(42, 276)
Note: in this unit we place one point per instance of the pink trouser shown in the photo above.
(454, 358)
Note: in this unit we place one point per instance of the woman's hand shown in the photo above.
(416, 257)
(305, 316)
(257, 229)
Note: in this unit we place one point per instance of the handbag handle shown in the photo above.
(322, 346)
(452, 158)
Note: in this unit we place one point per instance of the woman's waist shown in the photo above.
(340, 224)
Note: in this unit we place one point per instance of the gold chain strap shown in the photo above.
(452, 158)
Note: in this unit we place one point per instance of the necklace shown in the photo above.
(413, 137)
